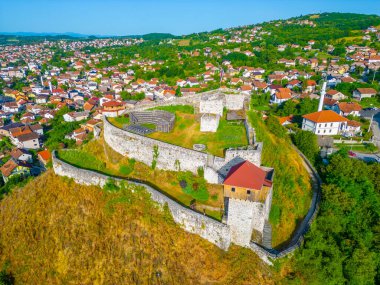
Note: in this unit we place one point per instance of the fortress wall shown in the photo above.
(234, 102)
(250, 132)
(212, 106)
(243, 218)
(142, 149)
(189, 220)
(193, 99)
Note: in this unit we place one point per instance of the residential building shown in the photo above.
(349, 108)
(281, 95)
(12, 167)
(325, 122)
(361, 93)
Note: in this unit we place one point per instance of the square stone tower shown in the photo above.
(248, 199)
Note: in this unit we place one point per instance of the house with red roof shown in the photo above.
(44, 156)
(281, 95)
(246, 181)
(113, 108)
(248, 192)
(325, 122)
(361, 93)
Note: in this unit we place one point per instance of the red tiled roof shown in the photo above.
(45, 155)
(326, 116)
(366, 90)
(283, 93)
(348, 107)
(247, 175)
(289, 119)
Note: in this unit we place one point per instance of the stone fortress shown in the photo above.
(245, 217)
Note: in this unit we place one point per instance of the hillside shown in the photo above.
(292, 189)
(54, 231)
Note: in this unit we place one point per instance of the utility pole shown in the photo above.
(370, 123)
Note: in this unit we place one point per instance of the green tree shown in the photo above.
(275, 127)
(307, 143)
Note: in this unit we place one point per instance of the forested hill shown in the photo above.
(329, 26)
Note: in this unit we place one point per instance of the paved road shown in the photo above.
(367, 157)
(376, 129)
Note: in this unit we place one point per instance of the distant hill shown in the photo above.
(154, 36)
(32, 34)
(150, 36)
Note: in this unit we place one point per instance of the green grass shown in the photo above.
(364, 148)
(370, 102)
(187, 132)
(149, 126)
(261, 108)
(81, 159)
(119, 121)
(187, 109)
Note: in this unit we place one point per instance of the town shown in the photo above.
(239, 134)
(82, 82)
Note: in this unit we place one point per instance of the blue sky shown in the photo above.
(126, 17)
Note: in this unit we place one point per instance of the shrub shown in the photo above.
(200, 171)
(193, 186)
(275, 127)
(111, 186)
(127, 169)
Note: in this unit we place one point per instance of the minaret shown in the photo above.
(42, 82)
(50, 87)
(322, 98)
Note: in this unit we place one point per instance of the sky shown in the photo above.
(180, 17)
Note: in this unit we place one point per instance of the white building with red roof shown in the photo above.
(325, 122)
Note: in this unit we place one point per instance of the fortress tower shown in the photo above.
(248, 199)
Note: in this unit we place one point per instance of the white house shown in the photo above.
(361, 93)
(281, 95)
(335, 95)
(75, 116)
(325, 122)
(349, 108)
(10, 107)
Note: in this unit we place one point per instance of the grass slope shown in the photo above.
(54, 231)
(292, 189)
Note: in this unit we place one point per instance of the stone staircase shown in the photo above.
(267, 235)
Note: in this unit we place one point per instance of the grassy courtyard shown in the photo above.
(187, 132)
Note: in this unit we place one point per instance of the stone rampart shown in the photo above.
(193, 99)
(191, 221)
(147, 150)
(234, 102)
(172, 157)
